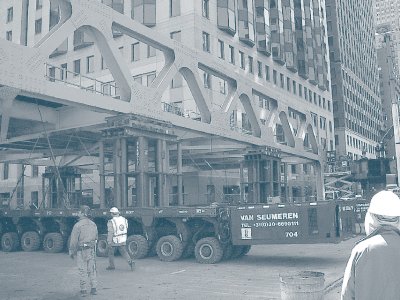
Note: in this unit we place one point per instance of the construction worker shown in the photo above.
(117, 233)
(84, 237)
(374, 263)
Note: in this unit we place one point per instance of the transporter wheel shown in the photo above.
(53, 242)
(208, 251)
(9, 241)
(30, 241)
(102, 246)
(137, 246)
(169, 248)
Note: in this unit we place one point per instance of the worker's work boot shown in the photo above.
(131, 264)
(83, 293)
(93, 291)
(110, 268)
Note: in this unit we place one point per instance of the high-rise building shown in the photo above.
(281, 44)
(355, 77)
(387, 14)
(389, 88)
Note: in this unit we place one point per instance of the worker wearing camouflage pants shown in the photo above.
(84, 237)
(86, 261)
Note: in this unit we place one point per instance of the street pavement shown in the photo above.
(38, 275)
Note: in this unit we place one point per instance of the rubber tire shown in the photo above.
(137, 246)
(213, 246)
(10, 241)
(30, 241)
(169, 248)
(102, 246)
(53, 242)
(228, 251)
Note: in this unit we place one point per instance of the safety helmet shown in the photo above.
(114, 210)
(385, 203)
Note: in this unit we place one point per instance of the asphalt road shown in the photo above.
(38, 275)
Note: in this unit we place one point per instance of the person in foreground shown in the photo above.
(373, 270)
(84, 237)
(117, 234)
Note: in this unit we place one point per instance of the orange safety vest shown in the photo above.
(120, 227)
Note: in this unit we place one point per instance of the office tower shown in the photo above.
(355, 78)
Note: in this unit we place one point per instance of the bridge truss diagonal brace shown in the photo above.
(7, 96)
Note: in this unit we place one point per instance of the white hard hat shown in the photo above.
(114, 210)
(385, 203)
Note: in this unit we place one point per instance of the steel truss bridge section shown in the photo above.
(37, 110)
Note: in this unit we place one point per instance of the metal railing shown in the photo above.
(58, 74)
(186, 113)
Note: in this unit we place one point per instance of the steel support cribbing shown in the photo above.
(117, 172)
(179, 173)
(102, 180)
(159, 170)
(124, 172)
(142, 178)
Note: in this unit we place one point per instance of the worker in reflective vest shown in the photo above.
(117, 233)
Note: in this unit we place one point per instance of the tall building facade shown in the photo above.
(387, 13)
(355, 77)
(277, 43)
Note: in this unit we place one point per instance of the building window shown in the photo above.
(174, 8)
(207, 80)
(221, 47)
(39, 4)
(35, 199)
(282, 78)
(144, 11)
(151, 51)
(206, 41)
(232, 54)
(300, 90)
(176, 35)
(242, 60)
(38, 26)
(259, 69)
(251, 65)
(90, 64)
(10, 14)
(222, 86)
(35, 171)
(117, 5)
(6, 171)
(267, 76)
(138, 79)
(288, 83)
(275, 77)
(206, 8)
(103, 63)
(54, 15)
(9, 35)
(294, 87)
(135, 51)
(63, 74)
(77, 67)
(150, 78)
